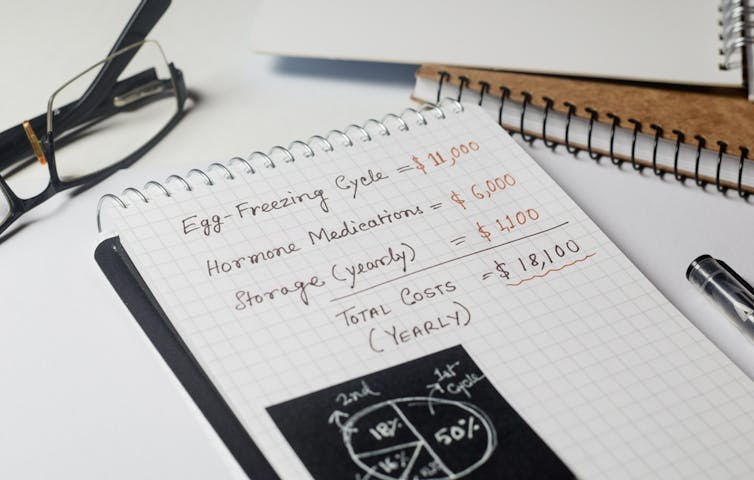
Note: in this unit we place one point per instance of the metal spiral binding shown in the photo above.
(744, 156)
(464, 83)
(571, 112)
(734, 23)
(658, 134)
(679, 137)
(723, 147)
(530, 139)
(616, 122)
(505, 93)
(484, 88)
(593, 115)
(346, 139)
(637, 129)
(548, 106)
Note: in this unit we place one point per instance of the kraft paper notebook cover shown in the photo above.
(414, 298)
(700, 135)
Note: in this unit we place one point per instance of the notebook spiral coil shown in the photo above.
(305, 148)
(735, 21)
(658, 134)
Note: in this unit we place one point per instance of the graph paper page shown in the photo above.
(290, 282)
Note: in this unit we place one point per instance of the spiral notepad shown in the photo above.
(414, 298)
(696, 136)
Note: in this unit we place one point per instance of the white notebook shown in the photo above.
(417, 299)
(672, 41)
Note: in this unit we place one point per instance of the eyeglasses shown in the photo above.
(102, 120)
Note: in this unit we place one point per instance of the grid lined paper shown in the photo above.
(592, 356)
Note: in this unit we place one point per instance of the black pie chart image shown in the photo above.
(436, 417)
(419, 437)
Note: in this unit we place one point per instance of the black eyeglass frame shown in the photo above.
(98, 102)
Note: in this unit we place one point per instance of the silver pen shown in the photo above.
(726, 288)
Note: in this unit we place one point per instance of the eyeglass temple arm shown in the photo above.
(14, 143)
(144, 18)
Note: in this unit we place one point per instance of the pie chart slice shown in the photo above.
(458, 434)
(419, 438)
(425, 467)
(391, 464)
(379, 429)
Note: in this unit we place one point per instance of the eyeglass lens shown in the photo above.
(142, 105)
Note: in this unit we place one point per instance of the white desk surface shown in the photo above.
(84, 394)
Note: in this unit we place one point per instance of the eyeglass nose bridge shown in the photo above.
(43, 152)
(19, 205)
